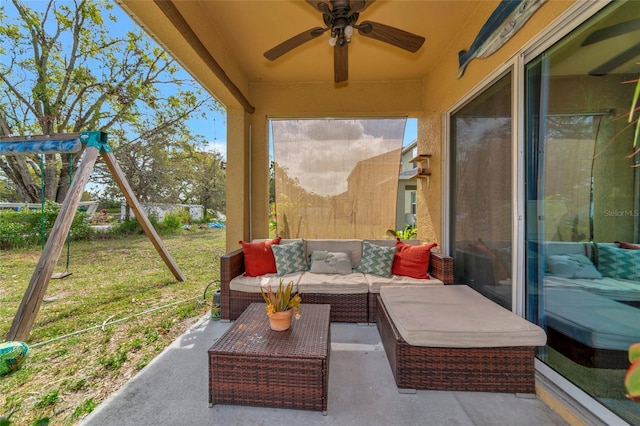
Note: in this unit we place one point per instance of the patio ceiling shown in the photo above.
(234, 34)
(237, 33)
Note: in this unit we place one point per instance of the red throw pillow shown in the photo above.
(499, 269)
(258, 258)
(480, 247)
(412, 261)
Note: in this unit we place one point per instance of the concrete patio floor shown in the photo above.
(173, 390)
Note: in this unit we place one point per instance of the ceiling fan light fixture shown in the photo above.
(348, 32)
(333, 40)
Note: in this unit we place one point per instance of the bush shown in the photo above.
(184, 216)
(172, 221)
(23, 228)
(130, 226)
(11, 234)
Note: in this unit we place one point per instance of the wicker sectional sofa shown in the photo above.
(453, 338)
(353, 296)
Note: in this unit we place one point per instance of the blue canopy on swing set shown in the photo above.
(53, 144)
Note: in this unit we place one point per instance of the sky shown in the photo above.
(214, 127)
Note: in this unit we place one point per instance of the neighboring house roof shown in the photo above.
(410, 146)
(407, 174)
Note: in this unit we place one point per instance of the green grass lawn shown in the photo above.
(122, 280)
(605, 385)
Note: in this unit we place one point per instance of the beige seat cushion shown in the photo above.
(456, 316)
(252, 284)
(354, 283)
(376, 282)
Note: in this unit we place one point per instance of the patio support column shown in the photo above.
(259, 176)
(238, 173)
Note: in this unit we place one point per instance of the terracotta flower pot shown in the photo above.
(281, 321)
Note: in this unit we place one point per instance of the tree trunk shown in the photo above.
(21, 169)
(17, 170)
(50, 177)
(65, 174)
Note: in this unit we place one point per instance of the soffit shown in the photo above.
(237, 33)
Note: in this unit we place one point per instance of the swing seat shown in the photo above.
(60, 275)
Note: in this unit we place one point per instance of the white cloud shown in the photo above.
(322, 153)
(218, 146)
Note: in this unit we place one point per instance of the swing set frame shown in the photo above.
(95, 144)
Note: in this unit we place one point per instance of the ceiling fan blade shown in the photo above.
(340, 63)
(395, 36)
(612, 31)
(616, 61)
(293, 42)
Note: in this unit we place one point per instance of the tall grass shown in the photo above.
(119, 282)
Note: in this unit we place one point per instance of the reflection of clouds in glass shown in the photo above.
(322, 153)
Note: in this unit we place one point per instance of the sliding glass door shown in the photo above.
(481, 192)
(582, 211)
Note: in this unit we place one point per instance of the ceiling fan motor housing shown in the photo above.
(341, 21)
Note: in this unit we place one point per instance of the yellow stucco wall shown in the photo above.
(426, 100)
(442, 90)
(247, 137)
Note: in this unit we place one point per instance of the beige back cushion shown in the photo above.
(347, 246)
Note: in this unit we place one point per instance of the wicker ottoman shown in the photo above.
(480, 368)
(253, 365)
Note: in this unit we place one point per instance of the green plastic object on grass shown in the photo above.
(215, 313)
(12, 355)
(632, 378)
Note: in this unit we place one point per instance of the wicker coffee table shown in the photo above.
(253, 365)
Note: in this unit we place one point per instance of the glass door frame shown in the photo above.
(506, 68)
(575, 15)
(560, 28)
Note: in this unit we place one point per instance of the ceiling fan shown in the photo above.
(341, 17)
